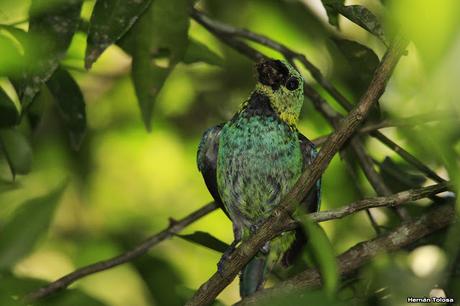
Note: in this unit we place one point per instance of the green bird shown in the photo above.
(251, 162)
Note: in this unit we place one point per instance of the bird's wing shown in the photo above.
(207, 161)
(310, 203)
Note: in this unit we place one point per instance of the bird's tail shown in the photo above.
(253, 275)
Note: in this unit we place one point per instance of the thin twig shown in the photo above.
(173, 228)
(360, 254)
(372, 176)
(407, 156)
(394, 200)
(352, 171)
(271, 226)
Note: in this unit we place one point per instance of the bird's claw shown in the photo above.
(220, 265)
(266, 248)
(223, 259)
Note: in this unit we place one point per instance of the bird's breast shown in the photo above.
(259, 160)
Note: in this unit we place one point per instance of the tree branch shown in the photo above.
(393, 200)
(363, 252)
(173, 228)
(372, 175)
(236, 261)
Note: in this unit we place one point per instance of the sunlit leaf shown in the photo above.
(55, 28)
(199, 52)
(71, 104)
(332, 13)
(110, 20)
(17, 151)
(28, 223)
(159, 41)
(323, 253)
(432, 27)
(15, 66)
(9, 114)
(206, 240)
(10, 59)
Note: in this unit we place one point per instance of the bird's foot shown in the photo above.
(225, 256)
(266, 248)
(220, 264)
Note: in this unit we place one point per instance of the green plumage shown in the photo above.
(259, 160)
(253, 161)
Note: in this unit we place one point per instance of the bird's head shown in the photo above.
(283, 85)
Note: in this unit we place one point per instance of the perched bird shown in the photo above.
(252, 161)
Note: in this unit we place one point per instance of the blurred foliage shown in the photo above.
(60, 122)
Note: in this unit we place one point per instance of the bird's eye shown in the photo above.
(292, 83)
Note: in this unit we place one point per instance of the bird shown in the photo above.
(251, 162)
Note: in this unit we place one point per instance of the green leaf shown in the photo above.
(110, 20)
(17, 151)
(331, 11)
(9, 115)
(198, 52)
(364, 18)
(55, 28)
(362, 60)
(398, 177)
(15, 68)
(11, 59)
(28, 223)
(323, 253)
(161, 278)
(36, 110)
(158, 41)
(71, 104)
(206, 240)
(355, 13)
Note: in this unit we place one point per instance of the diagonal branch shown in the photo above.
(372, 175)
(173, 228)
(363, 252)
(236, 261)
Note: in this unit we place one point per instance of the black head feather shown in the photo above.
(272, 73)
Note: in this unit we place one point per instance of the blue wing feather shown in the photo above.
(207, 161)
(311, 202)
